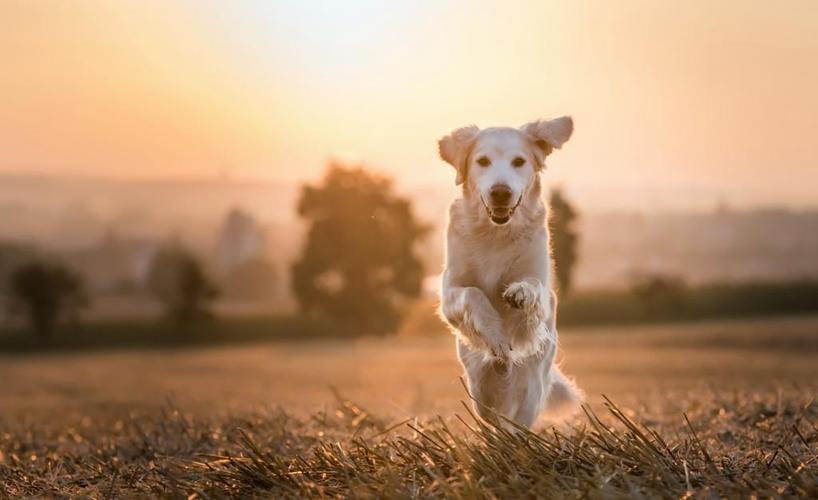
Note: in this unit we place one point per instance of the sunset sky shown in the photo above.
(704, 100)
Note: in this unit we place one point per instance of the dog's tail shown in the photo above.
(564, 397)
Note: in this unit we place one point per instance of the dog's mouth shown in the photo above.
(501, 215)
(500, 220)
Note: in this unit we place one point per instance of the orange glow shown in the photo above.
(710, 97)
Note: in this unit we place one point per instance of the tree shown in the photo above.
(178, 279)
(46, 292)
(564, 238)
(358, 265)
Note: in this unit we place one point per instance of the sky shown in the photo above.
(697, 102)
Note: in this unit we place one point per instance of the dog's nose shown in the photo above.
(500, 195)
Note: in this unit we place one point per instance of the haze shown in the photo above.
(695, 101)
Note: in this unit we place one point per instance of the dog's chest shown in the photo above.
(495, 270)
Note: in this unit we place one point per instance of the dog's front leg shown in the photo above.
(469, 311)
(537, 303)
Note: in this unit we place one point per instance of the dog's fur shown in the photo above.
(497, 290)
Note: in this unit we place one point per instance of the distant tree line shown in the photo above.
(360, 270)
(47, 293)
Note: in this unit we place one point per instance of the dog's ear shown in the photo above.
(549, 134)
(454, 149)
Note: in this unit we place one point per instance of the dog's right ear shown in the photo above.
(454, 149)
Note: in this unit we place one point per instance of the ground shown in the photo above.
(316, 418)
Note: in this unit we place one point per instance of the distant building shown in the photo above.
(241, 240)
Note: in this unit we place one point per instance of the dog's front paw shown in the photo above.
(484, 328)
(521, 295)
(501, 351)
(497, 344)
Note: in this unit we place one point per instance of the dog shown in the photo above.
(496, 291)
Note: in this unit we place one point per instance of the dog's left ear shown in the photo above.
(549, 134)
(454, 149)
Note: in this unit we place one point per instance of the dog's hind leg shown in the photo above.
(489, 383)
(531, 402)
(563, 397)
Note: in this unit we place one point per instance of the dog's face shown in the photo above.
(499, 164)
(499, 169)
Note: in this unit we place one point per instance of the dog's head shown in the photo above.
(500, 164)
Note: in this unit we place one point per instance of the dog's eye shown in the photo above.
(483, 161)
(518, 162)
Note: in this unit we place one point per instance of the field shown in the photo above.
(711, 408)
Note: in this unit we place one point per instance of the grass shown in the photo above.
(709, 409)
(725, 445)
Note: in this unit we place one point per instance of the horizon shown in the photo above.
(666, 201)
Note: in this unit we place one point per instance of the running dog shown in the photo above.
(497, 285)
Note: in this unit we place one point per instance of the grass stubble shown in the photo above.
(702, 444)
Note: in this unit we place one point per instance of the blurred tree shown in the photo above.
(564, 238)
(46, 292)
(359, 264)
(178, 279)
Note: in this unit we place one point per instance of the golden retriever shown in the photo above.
(497, 288)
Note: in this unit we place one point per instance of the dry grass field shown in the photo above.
(724, 408)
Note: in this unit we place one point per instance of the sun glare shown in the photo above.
(274, 89)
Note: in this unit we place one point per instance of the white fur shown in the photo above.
(497, 291)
